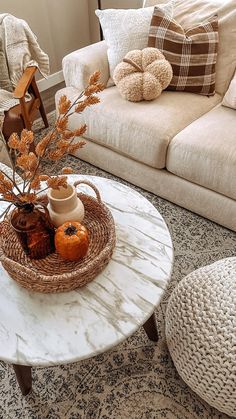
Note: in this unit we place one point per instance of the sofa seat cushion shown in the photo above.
(205, 152)
(141, 131)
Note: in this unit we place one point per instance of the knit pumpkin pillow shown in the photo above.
(142, 75)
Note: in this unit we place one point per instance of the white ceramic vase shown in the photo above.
(64, 205)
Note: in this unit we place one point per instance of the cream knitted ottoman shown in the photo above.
(201, 333)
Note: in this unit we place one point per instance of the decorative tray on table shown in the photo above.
(53, 274)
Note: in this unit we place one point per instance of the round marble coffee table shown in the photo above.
(52, 329)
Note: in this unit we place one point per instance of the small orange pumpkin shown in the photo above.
(72, 240)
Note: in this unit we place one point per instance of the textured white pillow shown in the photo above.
(126, 29)
(229, 99)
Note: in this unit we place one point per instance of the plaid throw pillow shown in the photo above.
(191, 53)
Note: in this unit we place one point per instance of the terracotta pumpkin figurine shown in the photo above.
(72, 241)
(142, 75)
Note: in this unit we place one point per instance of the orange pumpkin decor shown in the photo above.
(72, 241)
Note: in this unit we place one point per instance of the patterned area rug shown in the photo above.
(137, 379)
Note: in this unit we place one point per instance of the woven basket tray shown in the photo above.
(53, 274)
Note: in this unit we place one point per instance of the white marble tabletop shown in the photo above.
(48, 329)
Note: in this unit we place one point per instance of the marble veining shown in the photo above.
(43, 330)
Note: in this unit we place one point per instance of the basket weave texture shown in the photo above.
(53, 274)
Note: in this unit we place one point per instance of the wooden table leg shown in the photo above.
(150, 328)
(24, 378)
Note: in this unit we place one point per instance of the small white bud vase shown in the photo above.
(64, 205)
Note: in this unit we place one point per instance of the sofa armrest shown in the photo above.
(79, 65)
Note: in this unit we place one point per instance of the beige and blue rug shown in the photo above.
(137, 379)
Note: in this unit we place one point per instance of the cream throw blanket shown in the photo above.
(18, 49)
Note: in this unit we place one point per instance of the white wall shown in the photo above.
(61, 26)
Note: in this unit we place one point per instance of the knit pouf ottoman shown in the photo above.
(201, 333)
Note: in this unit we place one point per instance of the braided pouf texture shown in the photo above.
(201, 333)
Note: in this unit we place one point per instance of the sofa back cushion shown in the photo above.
(189, 13)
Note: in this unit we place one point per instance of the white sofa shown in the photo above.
(181, 146)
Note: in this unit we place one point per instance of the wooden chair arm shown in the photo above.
(24, 82)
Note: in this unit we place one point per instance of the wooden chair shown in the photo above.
(22, 116)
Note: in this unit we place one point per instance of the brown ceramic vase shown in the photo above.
(34, 230)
